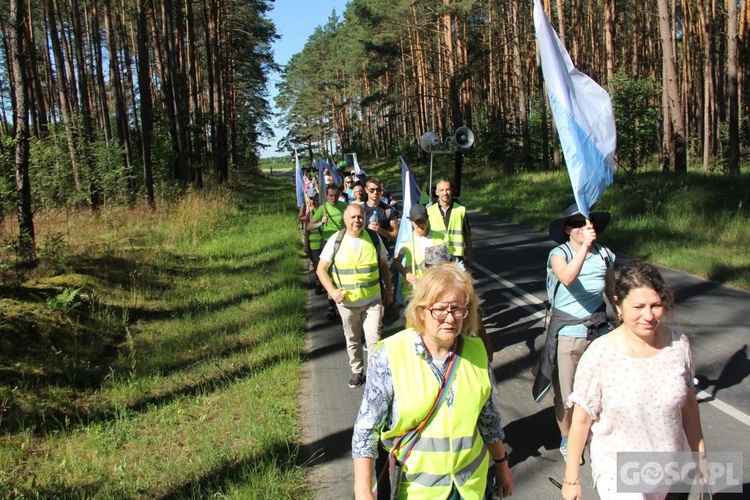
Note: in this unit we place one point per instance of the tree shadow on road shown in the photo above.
(734, 372)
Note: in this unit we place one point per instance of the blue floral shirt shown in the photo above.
(380, 408)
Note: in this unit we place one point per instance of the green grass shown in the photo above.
(163, 360)
(699, 224)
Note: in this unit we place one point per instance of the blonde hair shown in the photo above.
(433, 284)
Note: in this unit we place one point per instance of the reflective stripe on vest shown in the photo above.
(449, 450)
(357, 273)
(454, 232)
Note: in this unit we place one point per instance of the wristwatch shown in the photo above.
(501, 460)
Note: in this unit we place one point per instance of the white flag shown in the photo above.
(583, 116)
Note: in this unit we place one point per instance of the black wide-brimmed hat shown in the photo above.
(557, 226)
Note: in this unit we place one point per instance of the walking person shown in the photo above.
(633, 388)
(585, 272)
(329, 218)
(427, 248)
(430, 400)
(448, 217)
(358, 262)
(385, 220)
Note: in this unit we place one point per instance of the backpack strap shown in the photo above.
(336, 245)
(568, 256)
(602, 250)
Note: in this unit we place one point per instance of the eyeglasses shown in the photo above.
(373, 190)
(420, 222)
(576, 223)
(458, 313)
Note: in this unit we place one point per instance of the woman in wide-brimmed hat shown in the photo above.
(584, 271)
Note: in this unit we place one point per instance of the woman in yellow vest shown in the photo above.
(449, 457)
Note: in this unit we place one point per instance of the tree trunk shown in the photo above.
(18, 62)
(144, 84)
(63, 89)
(521, 94)
(678, 152)
(732, 97)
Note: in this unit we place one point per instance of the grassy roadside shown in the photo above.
(157, 355)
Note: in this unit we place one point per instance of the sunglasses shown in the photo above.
(373, 190)
(576, 223)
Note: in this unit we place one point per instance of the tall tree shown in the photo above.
(20, 88)
(677, 141)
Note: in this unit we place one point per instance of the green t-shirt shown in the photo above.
(335, 215)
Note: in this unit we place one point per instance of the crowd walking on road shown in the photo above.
(429, 423)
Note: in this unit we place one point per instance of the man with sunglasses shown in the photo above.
(387, 224)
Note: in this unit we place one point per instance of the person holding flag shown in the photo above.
(584, 270)
(586, 127)
(425, 248)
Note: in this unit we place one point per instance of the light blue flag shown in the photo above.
(299, 181)
(405, 233)
(583, 116)
(335, 171)
(322, 165)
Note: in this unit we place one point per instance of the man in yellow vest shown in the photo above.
(358, 263)
(448, 217)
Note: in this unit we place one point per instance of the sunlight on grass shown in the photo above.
(192, 390)
(699, 224)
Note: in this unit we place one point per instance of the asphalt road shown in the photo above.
(509, 268)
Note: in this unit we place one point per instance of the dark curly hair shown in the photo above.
(640, 274)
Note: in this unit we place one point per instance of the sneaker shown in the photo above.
(357, 380)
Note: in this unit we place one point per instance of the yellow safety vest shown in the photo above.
(449, 449)
(315, 239)
(357, 273)
(416, 244)
(454, 233)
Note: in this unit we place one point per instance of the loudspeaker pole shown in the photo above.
(429, 186)
(459, 165)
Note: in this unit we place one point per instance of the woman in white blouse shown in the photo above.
(633, 388)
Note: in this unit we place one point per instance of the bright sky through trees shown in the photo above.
(295, 21)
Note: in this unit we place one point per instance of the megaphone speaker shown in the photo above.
(430, 141)
(463, 137)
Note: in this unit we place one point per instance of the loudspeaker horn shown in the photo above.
(463, 137)
(430, 141)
